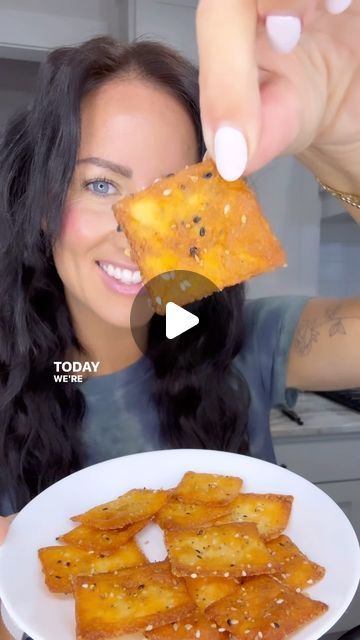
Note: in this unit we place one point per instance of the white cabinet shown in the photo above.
(333, 464)
(171, 21)
(29, 28)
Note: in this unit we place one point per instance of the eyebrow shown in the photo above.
(107, 164)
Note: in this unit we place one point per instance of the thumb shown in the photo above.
(229, 91)
(4, 526)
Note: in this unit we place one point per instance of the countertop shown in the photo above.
(320, 416)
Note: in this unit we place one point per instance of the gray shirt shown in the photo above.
(121, 417)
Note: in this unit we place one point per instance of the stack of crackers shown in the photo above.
(230, 572)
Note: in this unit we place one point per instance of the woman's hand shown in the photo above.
(4, 526)
(305, 102)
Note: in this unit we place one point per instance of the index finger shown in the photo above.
(4, 526)
(229, 89)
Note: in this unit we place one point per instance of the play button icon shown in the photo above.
(173, 306)
(178, 320)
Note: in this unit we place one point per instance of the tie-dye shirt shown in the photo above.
(121, 417)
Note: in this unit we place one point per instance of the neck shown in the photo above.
(113, 347)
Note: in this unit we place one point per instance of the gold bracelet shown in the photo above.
(349, 198)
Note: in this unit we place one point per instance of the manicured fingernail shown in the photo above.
(283, 32)
(337, 6)
(231, 154)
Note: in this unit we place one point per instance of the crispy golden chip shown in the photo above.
(101, 541)
(190, 628)
(109, 605)
(197, 222)
(180, 515)
(61, 564)
(206, 591)
(227, 550)
(133, 506)
(207, 488)
(269, 511)
(263, 608)
(297, 571)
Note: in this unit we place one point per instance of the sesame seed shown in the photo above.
(298, 590)
(310, 581)
(194, 178)
(198, 634)
(243, 573)
(227, 209)
(260, 635)
(280, 601)
(149, 627)
(221, 629)
(85, 585)
(226, 574)
(127, 252)
(167, 192)
(188, 627)
(175, 626)
(233, 621)
(269, 565)
(158, 300)
(193, 575)
(243, 219)
(188, 225)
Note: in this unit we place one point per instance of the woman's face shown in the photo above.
(131, 133)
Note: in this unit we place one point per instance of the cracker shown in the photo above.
(61, 564)
(197, 222)
(206, 591)
(297, 571)
(207, 488)
(190, 628)
(269, 511)
(263, 608)
(101, 541)
(180, 515)
(226, 550)
(110, 605)
(131, 507)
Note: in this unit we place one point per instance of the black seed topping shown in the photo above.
(118, 228)
(169, 175)
(58, 577)
(196, 219)
(194, 251)
(105, 509)
(141, 586)
(276, 624)
(183, 187)
(228, 621)
(207, 175)
(68, 564)
(202, 231)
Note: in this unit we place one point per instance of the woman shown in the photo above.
(108, 120)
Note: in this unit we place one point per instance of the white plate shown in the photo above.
(317, 526)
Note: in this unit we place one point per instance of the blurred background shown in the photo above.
(322, 242)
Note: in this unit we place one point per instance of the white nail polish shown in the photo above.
(231, 154)
(337, 6)
(283, 32)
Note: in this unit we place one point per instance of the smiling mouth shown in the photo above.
(121, 274)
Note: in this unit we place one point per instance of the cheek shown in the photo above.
(75, 228)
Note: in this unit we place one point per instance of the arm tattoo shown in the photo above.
(308, 331)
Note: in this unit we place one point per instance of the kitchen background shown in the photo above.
(321, 240)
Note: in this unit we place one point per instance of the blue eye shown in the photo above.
(101, 187)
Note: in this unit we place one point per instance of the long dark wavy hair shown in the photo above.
(201, 402)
